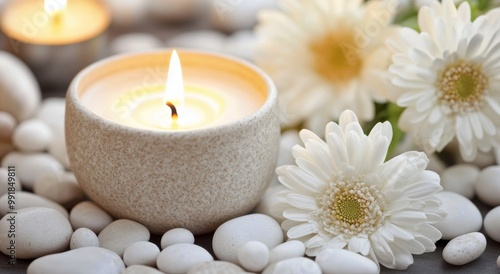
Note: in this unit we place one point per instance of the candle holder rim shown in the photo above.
(267, 106)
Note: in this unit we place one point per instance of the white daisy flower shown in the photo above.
(447, 77)
(326, 55)
(341, 194)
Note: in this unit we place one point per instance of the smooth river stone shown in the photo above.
(487, 186)
(118, 235)
(127, 13)
(253, 256)
(27, 199)
(464, 249)
(38, 232)
(32, 135)
(57, 148)
(199, 39)
(177, 236)
(30, 166)
(89, 215)
(268, 206)
(52, 111)
(83, 260)
(492, 223)
(167, 11)
(83, 237)
(336, 260)
(141, 269)
(19, 89)
(61, 188)
(231, 16)
(241, 44)
(141, 253)
(134, 42)
(4, 186)
(460, 179)
(462, 215)
(288, 140)
(7, 125)
(179, 258)
(216, 267)
(287, 250)
(231, 235)
(294, 265)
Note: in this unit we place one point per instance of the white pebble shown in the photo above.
(464, 249)
(6, 184)
(141, 269)
(253, 256)
(241, 44)
(231, 235)
(61, 188)
(121, 233)
(83, 237)
(179, 258)
(288, 139)
(51, 112)
(460, 179)
(231, 16)
(27, 199)
(336, 260)
(167, 11)
(83, 260)
(498, 262)
(7, 125)
(89, 215)
(216, 267)
(39, 232)
(462, 215)
(294, 265)
(177, 236)
(487, 186)
(268, 204)
(30, 166)
(287, 250)
(200, 39)
(492, 223)
(141, 253)
(134, 42)
(32, 135)
(57, 148)
(19, 89)
(127, 13)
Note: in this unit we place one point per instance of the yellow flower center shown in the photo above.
(462, 87)
(337, 56)
(351, 206)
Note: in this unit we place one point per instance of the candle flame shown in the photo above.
(174, 91)
(55, 8)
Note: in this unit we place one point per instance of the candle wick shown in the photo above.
(174, 115)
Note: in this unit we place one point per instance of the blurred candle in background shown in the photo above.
(48, 34)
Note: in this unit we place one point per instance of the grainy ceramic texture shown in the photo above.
(164, 179)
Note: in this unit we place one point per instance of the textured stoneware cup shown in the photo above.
(195, 179)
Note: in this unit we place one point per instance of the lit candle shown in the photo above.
(131, 158)
(46, 34)
(204, 101)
